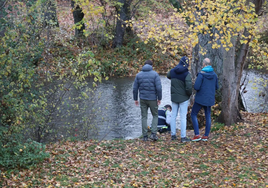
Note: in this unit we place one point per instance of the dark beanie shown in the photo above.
(148, 62)
(168, 106)
(184, 61)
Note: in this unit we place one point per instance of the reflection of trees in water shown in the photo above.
(71, 111)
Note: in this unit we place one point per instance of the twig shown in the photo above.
(4, 4)
(135, 7)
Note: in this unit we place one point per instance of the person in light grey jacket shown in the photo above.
(148, 86)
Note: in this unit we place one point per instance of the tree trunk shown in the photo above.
(215, 55)
(50, 14)
(123, 13)
(232, 70)
(3, 14)
(230, 90)
(78, 17)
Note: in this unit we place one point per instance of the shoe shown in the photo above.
(196, 138)
(204, 138)
(153, 137)
(145, 138)
(174, 137)
(163, 130)
(185, 139)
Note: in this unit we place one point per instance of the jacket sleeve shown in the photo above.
(217, 84)
(135, 89)
(168, 117)
(188, 84)
(158, 87)
(168, 75)
(198, 82)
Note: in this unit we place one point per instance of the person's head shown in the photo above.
(168, 107)
(184, 61)
(149, 62)
(206, 62)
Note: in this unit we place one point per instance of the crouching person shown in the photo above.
(164, 118)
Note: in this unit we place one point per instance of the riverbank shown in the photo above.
(234, 156)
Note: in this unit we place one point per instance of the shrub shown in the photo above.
(16, 154)
(129, 58)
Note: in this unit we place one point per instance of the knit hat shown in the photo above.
(184, 61)
(168, 106)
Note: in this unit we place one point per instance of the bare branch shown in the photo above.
(4, 4)
(135, 7)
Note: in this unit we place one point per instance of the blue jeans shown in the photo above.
(196, 108)
(183, 112)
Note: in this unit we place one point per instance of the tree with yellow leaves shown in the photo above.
(221, 30)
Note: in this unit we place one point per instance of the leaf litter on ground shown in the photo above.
(234, 156)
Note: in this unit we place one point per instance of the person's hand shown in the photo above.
(137, 103)
(158, 102)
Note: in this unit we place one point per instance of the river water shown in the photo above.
(125, 118)
(120, 118)
(255, 97)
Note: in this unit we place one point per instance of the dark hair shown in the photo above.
(168, 106)
(148, 62)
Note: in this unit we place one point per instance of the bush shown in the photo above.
(129, 58)
(15, 154)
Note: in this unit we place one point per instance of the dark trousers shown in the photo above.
(196, 108)
(145, 104)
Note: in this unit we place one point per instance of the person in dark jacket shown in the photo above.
(148, 85)
(205, 85)
(181, 90)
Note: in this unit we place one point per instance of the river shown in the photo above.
(118, 116)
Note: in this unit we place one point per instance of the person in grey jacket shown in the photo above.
(181, 90)
(148, 85)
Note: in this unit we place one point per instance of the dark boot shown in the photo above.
(153, 137)
(145, 138)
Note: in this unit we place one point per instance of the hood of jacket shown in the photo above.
(182, 66)
(184, 61)
(208, 72)
(180, 69)
(147, 68)
(207, 69)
